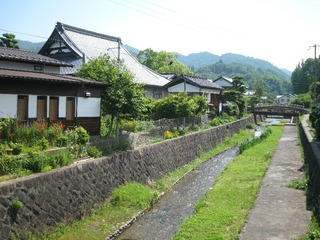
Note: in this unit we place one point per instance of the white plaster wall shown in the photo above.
(180, 88)
(32, 107)
(28, 67)
(8, 105)
(62, 107)
(89, 107)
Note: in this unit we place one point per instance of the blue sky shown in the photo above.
(279, 31)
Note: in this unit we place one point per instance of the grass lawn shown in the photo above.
(224, 209)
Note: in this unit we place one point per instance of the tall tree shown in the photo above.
(8, 40)
(163, 62)
(259, 88)
(124, 99)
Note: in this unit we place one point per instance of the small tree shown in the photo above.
(8, 40)
(163, 62)
(124, 99)
(178, 106)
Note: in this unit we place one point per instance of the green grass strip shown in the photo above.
(221, 214)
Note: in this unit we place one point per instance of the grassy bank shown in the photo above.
(223, 211)
(131, 199)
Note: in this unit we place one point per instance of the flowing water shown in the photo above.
(162, 221)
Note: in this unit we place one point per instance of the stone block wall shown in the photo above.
(311, 150)
(69, 193)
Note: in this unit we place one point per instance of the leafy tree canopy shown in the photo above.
(275, 83)
(8, 40)
(124, 99)
(178, 106)
(304, 76)
(163, 62)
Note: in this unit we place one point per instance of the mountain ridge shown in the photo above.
(195, 60)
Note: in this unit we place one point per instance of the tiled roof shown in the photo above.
(35, 76)
(18, 55)
(88, 45)
(230, 80)
(198, 81)
(203, 82)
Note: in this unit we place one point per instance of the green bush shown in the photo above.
(10, 164)
(43, 143)
(16, 205)
(82, 135)
(16, 148)
(93, 152)
(127, 125)
(36, 162)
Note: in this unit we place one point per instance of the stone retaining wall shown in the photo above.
(311, 150)
(69, 193)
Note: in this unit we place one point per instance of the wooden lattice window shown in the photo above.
(54, 109)
(22, 111)
(41, 108)
(70, 108)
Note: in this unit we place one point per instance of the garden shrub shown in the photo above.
(128, 125)
(10, 164)
(16, 148)
(82, 135)
(36, 162)
(168, 134)
(93, 152)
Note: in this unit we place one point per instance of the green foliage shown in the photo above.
(303, 99)
(133, 195)
(252, 142)
(163, 62)
(124, 98)
(303, 76)
(129, 125)
(8, 40)
(16, 205)
(300, 184)
(43, 143)
(82, 135)
(314, 118)
(94, 152)
(276, 82)
(168, 134)
(16, 148)
(10, 164)
(178, 106)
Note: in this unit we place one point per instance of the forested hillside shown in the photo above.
(275, 83)
(30, 46)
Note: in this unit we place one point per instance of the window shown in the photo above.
(54, 109)
(41, 107)
(70, 109)
(157, 94)
(22, 112)
(38, 68)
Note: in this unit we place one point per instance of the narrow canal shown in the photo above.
(163, 220)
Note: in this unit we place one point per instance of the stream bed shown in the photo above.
(162, 221)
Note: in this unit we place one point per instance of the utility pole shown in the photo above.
(315, 72)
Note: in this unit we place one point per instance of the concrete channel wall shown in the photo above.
(311, 150)
(67, 194)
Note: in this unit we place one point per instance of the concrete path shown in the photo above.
(280, 212)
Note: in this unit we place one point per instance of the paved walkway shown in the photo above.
(280, 212)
